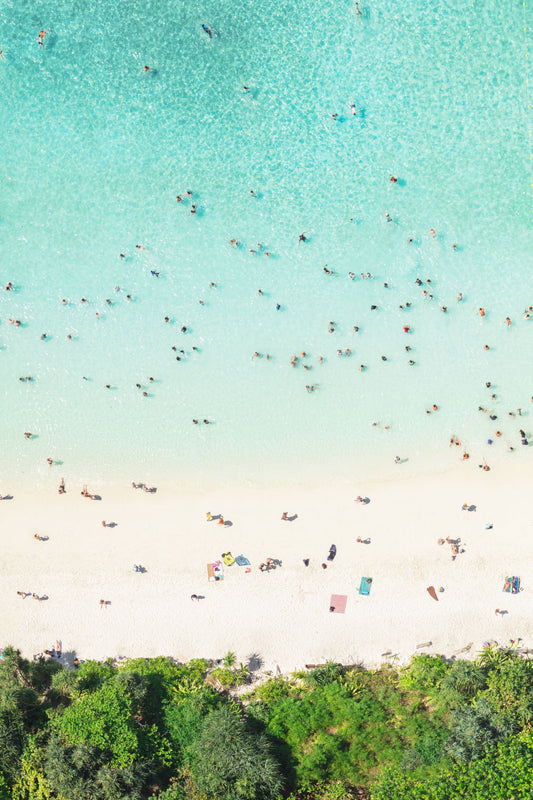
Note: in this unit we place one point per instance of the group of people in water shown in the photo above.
(302, 360)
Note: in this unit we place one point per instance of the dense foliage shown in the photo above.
(434, 730)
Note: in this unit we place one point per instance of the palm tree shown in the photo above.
(229, 660)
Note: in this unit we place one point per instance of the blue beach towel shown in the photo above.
(365, 586)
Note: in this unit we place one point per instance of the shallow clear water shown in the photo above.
(95, 150)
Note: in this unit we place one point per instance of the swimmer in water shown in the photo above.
(358, 13)
(302, 238)
(41, 37)
(207, 30)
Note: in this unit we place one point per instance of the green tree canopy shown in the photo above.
(231, 763)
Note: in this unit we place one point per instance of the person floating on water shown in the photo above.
(207, 30)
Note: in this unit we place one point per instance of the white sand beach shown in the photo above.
(282, 616)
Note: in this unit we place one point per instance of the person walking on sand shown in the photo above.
(62, 489)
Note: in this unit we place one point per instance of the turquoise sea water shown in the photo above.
(95, 150)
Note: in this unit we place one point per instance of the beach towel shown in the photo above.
(432, 592)
(242, 561)
(228, 559)
(365, 586)
(332, 552)
(215, 571)
(337, 604)
(512, 584)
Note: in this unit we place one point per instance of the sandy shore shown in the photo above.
(282, 617)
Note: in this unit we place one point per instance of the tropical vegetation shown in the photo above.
(435, 729)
